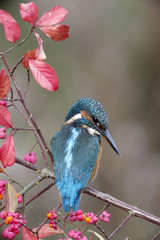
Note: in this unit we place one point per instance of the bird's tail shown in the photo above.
(69, 204)
(70, 195)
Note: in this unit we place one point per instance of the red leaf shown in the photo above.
(46, 231)
(27, 235)
(5, 117)
(10, 197)
(57, 32)
(10, 26)
(40, 54)
(29, 12)
(7, 152)
(27, 56)
(5, 83)
(44, 74)
(36, 54)
(52, 17)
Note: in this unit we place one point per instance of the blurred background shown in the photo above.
(112, 55)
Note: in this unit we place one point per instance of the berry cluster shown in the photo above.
(89, 218)
(78, 215)
(2, 185)
(52, 215)
(14, 220)
(77, 235)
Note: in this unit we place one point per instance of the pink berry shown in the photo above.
(74, 234)
(3, 133)
(3, 103)
(30, 157)
(20, 198)
(8, 234)
(71, 233)
(79, 212)
(105, 216)
(73, 217)
(53, 224)
(80, 217)
(3, 214)
(84, 238)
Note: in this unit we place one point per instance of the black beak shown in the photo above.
(108, 137)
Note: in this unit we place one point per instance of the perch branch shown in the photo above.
(122, 205)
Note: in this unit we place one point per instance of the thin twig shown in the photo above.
(20, 43)
(24, 225)
(41, 225)
(101, 230)
(28, 82)
(36, 196)
(29, 114)
(156, 236)
(120, 225)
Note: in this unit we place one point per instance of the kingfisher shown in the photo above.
(77, 149)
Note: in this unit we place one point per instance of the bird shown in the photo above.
(77, 149)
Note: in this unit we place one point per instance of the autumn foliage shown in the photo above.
(46, 77)
(33, 60)
(12, 211)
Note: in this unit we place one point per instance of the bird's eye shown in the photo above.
(95, 120)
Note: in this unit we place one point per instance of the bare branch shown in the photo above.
(27, 164)
(122, 205)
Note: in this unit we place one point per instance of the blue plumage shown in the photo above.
(75, 153)
(76, 149)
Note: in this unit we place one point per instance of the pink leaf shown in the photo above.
(5, 83)
(57, 32)
(40, 54)
(27, 235)
(44, 74)
(29, 12)
(10, 197)
(5, 117)
(28, 56)
(46, 231)
(52, 17)
(7, 152)
(10, 26)
(35, 54)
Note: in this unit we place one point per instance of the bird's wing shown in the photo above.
(75, 152)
